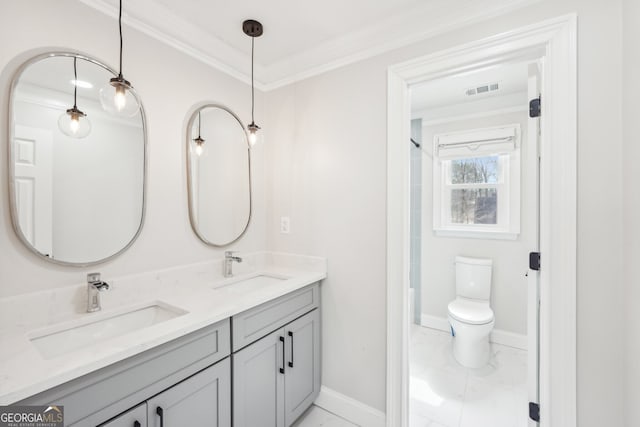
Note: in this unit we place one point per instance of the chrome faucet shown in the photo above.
(228, 263)
(94, 286)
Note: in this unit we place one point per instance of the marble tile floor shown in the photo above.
(318, 417)
(445, 394)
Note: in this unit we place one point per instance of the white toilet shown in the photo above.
(470, 316)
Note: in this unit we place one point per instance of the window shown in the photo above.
(477, 183)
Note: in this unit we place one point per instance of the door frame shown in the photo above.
(555, 39)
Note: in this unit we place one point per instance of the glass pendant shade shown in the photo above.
(199, 146)
(117, 98)
(253, 133)
(74, 123)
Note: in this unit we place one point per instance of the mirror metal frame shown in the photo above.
(11, 169)
(192, 219)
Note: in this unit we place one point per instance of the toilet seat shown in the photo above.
(470, 312)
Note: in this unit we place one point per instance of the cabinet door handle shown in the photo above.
(281, 369)
(160, 413)
(291, 363)
(136, 423)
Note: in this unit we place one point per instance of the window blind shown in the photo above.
(477, 142)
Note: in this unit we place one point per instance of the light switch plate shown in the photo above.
(285, 225)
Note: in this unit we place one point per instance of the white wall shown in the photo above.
(327, 146)
(510, 257)
(631, 91)
(153, 68)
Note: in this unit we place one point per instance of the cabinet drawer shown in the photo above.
(101, 395)
(259, 321)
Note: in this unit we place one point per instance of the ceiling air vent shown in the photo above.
(491, 87)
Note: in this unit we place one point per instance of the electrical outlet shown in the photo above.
(285, 225)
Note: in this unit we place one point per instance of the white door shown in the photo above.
(33, 185)
(533, 282)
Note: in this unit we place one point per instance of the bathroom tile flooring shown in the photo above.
(318, 417)
(445, 394)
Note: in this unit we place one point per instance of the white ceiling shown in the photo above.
(511, 78)
(56, 74)
(301, 38)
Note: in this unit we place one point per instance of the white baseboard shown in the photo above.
(435, 322)
(510, 339)
(349, 409)
(497, 336)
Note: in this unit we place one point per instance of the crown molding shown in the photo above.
(158, 22)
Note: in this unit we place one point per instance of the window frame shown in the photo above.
(507, 187)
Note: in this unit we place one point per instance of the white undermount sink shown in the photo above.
(251, 283)
(68, 337)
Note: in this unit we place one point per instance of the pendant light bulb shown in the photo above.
(199, 148)
(74, 125)
(117, 96)
(253, 29)
(253, 133)
(253, 138)
(73, 122)
(120, 98)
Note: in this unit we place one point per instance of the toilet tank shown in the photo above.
(473, 278)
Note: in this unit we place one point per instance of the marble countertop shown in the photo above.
(198, 289)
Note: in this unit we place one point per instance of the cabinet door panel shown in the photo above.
(302, 378)
(258, 387)
(202, 400)
(130, 418)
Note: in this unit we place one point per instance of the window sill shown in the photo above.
(476, 234)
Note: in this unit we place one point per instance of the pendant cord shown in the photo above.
(199, 125)
(252, 89)
(75, 85)
(120, 26)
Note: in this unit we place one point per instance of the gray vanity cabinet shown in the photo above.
(134, 417)
(276, 378)
(203, 400)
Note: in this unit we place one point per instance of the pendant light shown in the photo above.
(253, 29)
(73, 122)
(116, 96)
(199, 142)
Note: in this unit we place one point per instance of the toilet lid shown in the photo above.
(474, 313)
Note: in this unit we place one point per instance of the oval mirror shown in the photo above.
(218, 175)
(76, 172)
